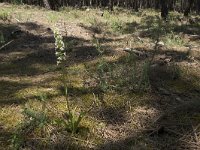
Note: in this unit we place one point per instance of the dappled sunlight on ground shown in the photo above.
(126, 114)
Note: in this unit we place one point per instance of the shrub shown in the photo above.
(116, 25)
(4, 16)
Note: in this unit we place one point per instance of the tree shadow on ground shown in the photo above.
(164, 53)
(30, 55)
(176, 124)
(60, 144)
(29, 50)
(169, 132)
(8, 91)
(130, 28)
(112, 115)
(11, 89)
(51, 144)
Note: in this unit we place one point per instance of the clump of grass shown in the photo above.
(116, 25)
(5, 16)
(144, 82)
(135, 75)
(52, 18)
(103, 72)
(75, 14)
(107, 15)
(174, 40)
(97, 44)
(33, 119)
(71, 120)
(95, 25)
(73, 117)
(74, 120)
(17, 140)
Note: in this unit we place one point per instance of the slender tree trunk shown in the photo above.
(111, 5)
(164, 9)
(198, 6)
(46, 4)
(188, 9)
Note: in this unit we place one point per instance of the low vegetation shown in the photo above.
(77, 79)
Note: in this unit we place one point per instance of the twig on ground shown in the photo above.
(6, 44)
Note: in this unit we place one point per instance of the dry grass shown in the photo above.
(123, 117)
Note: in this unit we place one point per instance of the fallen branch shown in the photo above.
(138, 53)
(6, 44)
(17, 20)
(194, 37)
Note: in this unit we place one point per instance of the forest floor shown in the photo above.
(147, 95)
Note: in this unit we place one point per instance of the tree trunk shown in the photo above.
(111, 5)
(188, 9)
(46, 4)
(164, 9)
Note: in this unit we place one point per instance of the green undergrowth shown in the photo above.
(33, 97)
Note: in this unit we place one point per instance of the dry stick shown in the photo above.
(186, 106)
(174, 132)
(6, 44)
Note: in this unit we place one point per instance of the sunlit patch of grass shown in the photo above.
(188, 81)
(53, 17)
(75, 75)
(94, 127)
(9, 89)
(115, 99)
(33, 92)
(121, 22)
(5, 15)
(10, 116)
(72, 14)
(31, 80)
(43, 67)
(86, 99)
(174, 40)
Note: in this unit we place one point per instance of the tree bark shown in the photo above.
(46, 4)
(188, 9)
(164, 9)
